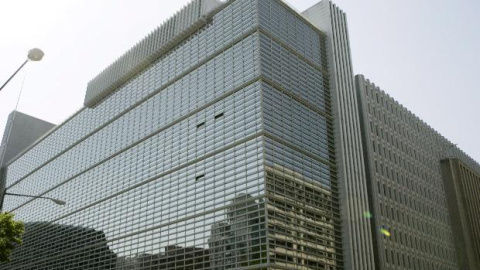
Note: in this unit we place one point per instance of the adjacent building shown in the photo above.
(409, 193)
(21, 131)
(235, 136)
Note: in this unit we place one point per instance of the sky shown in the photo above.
(423, 53)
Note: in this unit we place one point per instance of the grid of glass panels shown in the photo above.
(283, 67)
(303, 222)
(224, 123)
(291, 29)
(237, 19)
(229, 70)
(302, 231)
(176, 211)
(295, 123)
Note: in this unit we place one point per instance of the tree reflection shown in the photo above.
(55, 246)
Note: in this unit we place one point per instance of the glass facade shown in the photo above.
(219, 155)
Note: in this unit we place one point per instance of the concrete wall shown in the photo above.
(462, 187)
(406, 189)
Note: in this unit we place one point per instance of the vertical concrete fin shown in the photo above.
(356, 229)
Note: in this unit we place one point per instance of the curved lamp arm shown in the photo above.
(57, 201)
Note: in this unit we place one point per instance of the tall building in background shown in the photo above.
(410, 214)
(208, 145)
(20, 132)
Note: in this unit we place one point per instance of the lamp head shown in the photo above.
(59, 202)
(35, 54)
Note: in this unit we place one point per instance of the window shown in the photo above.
(200, 125)
(218, 116)
(200, 177)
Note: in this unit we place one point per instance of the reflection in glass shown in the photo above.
(239, 240)
(235, 242)
(79, 248)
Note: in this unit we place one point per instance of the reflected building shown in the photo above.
(174, 257)
(240, 240)
(221, 248)
(301, 226)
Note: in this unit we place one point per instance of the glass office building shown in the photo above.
(208, 145)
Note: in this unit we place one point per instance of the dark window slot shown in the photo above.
(201, 125)
(200, 177)
(218, 116)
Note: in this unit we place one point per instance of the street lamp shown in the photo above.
(57, 201)
(33, 55)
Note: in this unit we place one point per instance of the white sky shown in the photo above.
(424, 53)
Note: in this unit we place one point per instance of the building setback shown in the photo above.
(211, 140)
(410, 217)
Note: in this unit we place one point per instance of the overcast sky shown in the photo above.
(424, 53)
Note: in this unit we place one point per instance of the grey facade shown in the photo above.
(410, 217)
(462, 185)
(219, 150)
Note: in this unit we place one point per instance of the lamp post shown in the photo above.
(33, 55)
